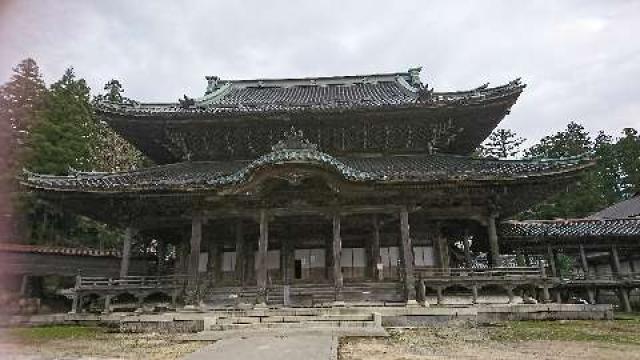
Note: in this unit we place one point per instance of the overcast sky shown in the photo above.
(580, 59)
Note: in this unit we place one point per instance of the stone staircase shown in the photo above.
(299, 318)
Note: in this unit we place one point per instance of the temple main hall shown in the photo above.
(315, 191)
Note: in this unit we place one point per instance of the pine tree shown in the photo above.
(20, 98)
(121, 155)
(628, 155)
(573, 141)
(501, 144)
(60, 139)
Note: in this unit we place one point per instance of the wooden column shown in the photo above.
(623, 294)
(632, 265)
(407, 257)
(161, 253)
(552, 261)
(466, 243)
(126, 251)
(240, 252)
(214, 264)
(493, 241)
(194, 258)
(615, 261)
(583, 260)
(261, 266)
(336, 257)
(443, 251)
(375, 249)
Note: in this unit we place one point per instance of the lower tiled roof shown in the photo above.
(374, 169)
(57, 250)
(570, 228)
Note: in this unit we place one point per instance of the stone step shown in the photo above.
(226, 320)
(301, 325)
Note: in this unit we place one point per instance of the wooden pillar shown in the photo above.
(161, 253)
(194, 259)
(126, 251)
(474, 294)
(240, 252)
(583, 260)
(493, 241)
(466, 243)
(615, 261)
(375, 249)
(632, 265)
(407, 257)
(623, 294)
(337, 256)
(591, 294)
(215, 249)
(261, 266)
(552, 261)
(443, 251)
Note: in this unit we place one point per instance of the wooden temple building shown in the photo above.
(316, 190)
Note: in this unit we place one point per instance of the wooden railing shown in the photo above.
(633, 276)
(129, 282)
(460, 273)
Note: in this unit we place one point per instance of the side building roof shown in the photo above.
(629, 208)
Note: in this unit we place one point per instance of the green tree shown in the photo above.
(628, 155)
(121, 155)
(60, 139)
(501, 144)
(577, 201)
(20, 99)
(572, 141)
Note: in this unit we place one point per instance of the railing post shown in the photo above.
(75, 301)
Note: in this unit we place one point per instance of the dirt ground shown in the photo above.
(77, 343)
(523, 341)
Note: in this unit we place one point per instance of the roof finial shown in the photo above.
(294, 140)
(212, 84)
(414, 76)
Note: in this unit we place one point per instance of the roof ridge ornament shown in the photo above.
(294, 140)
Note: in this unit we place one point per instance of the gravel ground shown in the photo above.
(102, 346)
(476, 343)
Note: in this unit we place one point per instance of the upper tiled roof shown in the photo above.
(629, 208)
(538, 229)
(379, 169)
(321, 93)
(56, 250)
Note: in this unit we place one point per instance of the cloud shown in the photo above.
(578, 57)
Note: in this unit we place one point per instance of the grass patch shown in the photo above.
(56, 332)
(617, 331)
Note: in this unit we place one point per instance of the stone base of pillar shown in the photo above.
(591, 294)
(260, 305)
(412, 303)
(425, 303)
(624, 299)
